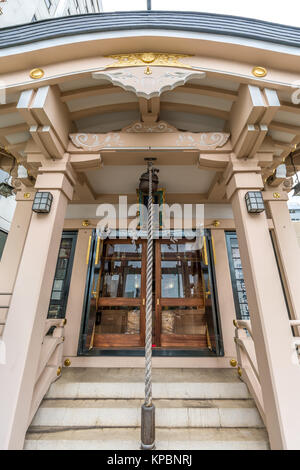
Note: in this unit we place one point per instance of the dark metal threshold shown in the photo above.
(157, 352)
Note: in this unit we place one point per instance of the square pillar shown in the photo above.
(24, 331)
(13, 250)
(279, 370)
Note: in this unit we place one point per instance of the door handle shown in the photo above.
(88, 250)
(205, 257)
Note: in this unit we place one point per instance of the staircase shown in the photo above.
(100, 409)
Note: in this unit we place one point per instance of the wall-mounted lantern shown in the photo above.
(42, 202)
(254, 201)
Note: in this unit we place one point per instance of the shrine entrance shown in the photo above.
(185, 318)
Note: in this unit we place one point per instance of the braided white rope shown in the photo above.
(148, 339)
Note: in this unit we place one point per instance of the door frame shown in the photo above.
(156, 352)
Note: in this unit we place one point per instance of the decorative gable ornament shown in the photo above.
(150, 82)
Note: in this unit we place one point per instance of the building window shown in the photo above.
(237, 277)
(61, 284)
(3, 237)
(295, 214)
(48, 4)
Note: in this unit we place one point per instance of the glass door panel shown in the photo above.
(183, 297)
(121, 296)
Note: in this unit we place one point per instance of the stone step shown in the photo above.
(169, 413)
(166, 439)
(167, 383)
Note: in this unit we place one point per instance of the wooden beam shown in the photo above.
(8, 108)
(207, 91)
(111, 108)
(273, 105)
(90, 91)
(213, 161)
(289, 108)
(149, 109)
(283, 145)
(282, 127)
(217, 188)
(48, 110)
(193, 109)
(83, 189)
(247, 110)
(165, 106)
(262, 132)
(13, 129)
(247, 140)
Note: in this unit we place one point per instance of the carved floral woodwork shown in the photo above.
(153, 58)
(151, 82)
(143, 127)
(203, 140)
(157, 134)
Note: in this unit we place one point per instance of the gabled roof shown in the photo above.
(161, 20)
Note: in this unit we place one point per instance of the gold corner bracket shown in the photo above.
(148, 58)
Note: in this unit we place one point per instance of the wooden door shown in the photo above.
(181, 297)
(120, 320)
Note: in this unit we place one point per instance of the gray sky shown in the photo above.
(287, 12)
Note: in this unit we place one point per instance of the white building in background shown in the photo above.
(15, 12)
(7, 209)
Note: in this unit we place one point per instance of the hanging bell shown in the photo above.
(144, 181)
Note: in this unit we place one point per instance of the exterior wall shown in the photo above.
(14, 11)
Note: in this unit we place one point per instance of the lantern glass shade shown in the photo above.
(281, 171)
(6, 189)
(42, 202)
(22, 172)
(254, 201)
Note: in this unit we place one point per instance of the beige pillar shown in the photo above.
(288, 248)
(13, 249)
(23, 334)
(278, 370)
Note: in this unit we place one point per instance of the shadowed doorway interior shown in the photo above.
(184, 299)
